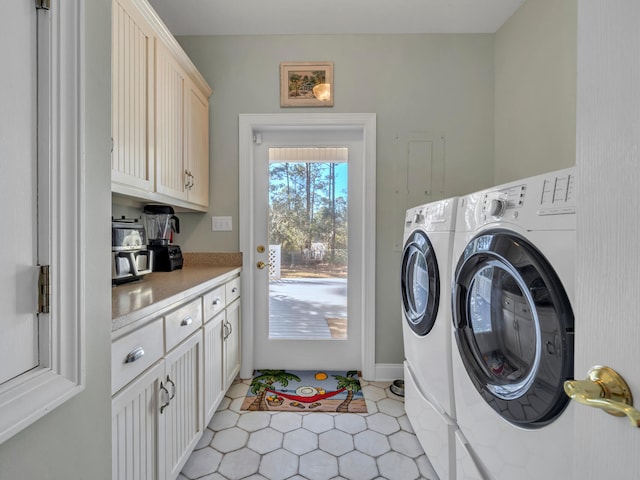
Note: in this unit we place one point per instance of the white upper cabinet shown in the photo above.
(132, 98)
(160, 113)
(170, 80)
(197, 144)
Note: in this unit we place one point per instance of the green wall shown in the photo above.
(535, 70)
(73, 442)
(414, 83)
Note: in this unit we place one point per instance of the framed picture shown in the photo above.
(306, 84)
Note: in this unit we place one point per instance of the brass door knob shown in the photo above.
(605, 389)
(261, 264)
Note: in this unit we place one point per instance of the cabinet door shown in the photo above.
(137, 429)
(169, 118)
(213, 364)
(183, 416)
(197, 145)
(232, 343)
(132, 99)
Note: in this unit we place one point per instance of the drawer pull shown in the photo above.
(234, 290)
(164, 397)
(134, 355)
(225, 332)
(173, 388)
(186, 322)
(216, 302)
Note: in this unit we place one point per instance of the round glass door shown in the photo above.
(513, 327)
(420, 283)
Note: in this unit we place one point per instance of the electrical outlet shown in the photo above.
(221, 224)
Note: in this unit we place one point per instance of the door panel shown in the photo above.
(607, 256)
(329, 353)
(132, 98)
(18, 187)
(169, 152)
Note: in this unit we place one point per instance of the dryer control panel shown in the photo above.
(552, 195)
(497, 202)
(558, 195)
(547, 201)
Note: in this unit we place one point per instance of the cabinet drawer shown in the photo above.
(214, 302)
(134, 353)
(232, 289)
(182, 322)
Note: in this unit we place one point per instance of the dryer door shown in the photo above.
(513, 326)
(420, 283)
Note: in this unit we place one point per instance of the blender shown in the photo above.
(161, 223)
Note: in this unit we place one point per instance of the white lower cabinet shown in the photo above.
(231, 343)
(157, 419)
(165, 392)
(222, 343)
(137, 432)
(213, 364)
(183, 415)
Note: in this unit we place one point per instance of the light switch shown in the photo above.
(221, 224)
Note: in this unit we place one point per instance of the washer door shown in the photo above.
(420, 283)
(513, 326)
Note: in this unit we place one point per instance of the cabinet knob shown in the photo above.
(186, 322)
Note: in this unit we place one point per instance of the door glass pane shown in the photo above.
(503, 323)
(417, 281)
(308, 274)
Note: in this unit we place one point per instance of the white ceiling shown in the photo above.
(265, 17)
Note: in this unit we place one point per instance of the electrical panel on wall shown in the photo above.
(420, 174)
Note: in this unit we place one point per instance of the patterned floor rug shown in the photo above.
(305, 390)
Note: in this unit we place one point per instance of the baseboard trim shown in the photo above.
(385, 372)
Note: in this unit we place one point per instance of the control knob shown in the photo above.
(496, 207)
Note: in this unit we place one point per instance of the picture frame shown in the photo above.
(306, 84)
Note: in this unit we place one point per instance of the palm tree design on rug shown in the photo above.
(264, 381)
(351, 384)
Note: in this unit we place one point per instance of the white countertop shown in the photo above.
(158, 291)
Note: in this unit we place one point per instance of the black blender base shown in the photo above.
(166, 258)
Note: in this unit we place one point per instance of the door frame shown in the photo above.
(248, 123)
(60, 374)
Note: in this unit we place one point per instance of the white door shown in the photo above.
(261, 347)
(608, 256)
(18, 182)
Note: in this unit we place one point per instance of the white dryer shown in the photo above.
(426, 312)
(513, 287)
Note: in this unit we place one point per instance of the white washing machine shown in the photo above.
(513, 325)
(426, 312)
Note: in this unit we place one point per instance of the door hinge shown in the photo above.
(43, 4)
(44, 289)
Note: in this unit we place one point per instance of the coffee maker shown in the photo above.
(130, 258)
(161, 223)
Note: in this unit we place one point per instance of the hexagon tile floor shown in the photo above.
(377, 445)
